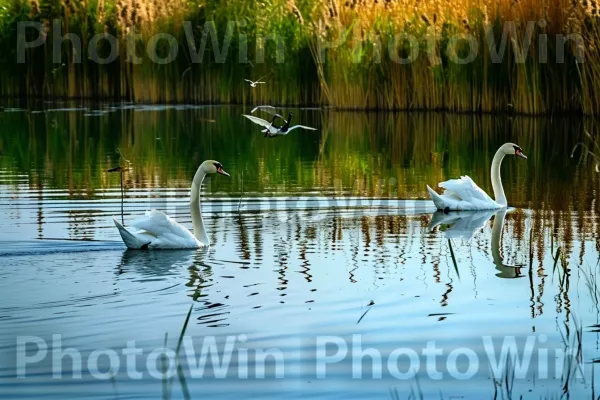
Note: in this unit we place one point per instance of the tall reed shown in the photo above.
(362, 70)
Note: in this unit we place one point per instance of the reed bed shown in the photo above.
(362, 68)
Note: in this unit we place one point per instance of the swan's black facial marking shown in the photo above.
(220, 169)
(519, 152)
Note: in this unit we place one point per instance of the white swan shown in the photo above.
(464, 194)
(156, 230)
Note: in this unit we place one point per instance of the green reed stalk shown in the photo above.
(359, 73)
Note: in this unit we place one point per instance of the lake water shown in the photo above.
(326, 277)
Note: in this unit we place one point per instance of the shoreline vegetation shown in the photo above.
(472, 56)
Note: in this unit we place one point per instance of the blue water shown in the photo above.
(313, 282)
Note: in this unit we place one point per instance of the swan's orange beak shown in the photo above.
(222, 171)
(519, 153)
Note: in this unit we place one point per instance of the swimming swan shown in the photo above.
(156, 230)
(464, 194)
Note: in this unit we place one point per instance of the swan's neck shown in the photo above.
(195, 208)
(496, 179)
(497, 236)
(286, 126)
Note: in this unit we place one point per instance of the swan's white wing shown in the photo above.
(465, 189)
(462, 194)
(158, 223)
(248, 80)
(163, 232)
(258, 121)
(302, 127)
(131, 240)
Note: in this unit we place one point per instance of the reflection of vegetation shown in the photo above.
(591, 148)
(367, 66)
(374, 155)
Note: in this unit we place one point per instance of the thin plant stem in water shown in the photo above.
(365, 313)
(555, 260)
(114, 382)
(165, 382)
(453, 258)
(180, 374)
(122, 162)
(241, 194)
(120, 171)
(122, 197)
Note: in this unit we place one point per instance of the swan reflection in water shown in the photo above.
(463, 224)
(156, 264)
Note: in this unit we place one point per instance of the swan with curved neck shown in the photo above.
(464, 194)
(156, 230)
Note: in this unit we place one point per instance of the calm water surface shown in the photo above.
(318, 234)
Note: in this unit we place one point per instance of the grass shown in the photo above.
(123, 167)
(589, 149)
(453, 258)
(591, 282)
(167, 384)
(504, 385)
(556, 258)
(359, 72)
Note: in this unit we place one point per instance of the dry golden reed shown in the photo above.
(141, 13)
(359, 73)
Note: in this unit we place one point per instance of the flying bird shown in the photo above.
(272, 130)
(270, 127)
(254, 83)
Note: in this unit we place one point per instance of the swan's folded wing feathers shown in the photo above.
(451, 195)
(153, 222)
(466, 190)
(160, 225)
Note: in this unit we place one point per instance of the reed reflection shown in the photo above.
(61, 164)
